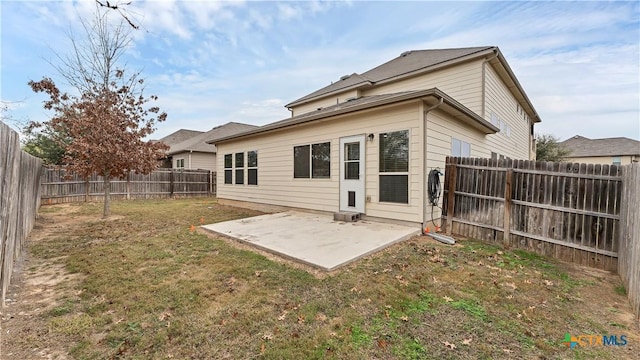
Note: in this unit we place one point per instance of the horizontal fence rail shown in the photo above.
(60, 186)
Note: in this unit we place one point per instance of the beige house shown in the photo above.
(196, 153)
(367, 142)
(612, 151)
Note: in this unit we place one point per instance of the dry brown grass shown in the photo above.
(145, 286)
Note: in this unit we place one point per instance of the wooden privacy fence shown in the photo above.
(59, 186)
(565, 210)
(586, 214)
(19, 200)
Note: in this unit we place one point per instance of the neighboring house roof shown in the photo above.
(618, 146)
(432, 96)
(416, 62)
(203, 142)
(179, 136)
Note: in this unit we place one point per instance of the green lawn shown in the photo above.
(148, 287)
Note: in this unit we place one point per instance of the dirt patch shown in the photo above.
(37, 285)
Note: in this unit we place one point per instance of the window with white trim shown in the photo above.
(228, 169)
(180, 163)
(312, 161)
(252, 167)
(394, 167)
(616, 160)
(460, 148)
(239, 166)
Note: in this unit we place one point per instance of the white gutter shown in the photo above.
(424, 164)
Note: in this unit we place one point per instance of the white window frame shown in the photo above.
(249, 168)
(395, 173)
(180, 163)
(460, 151)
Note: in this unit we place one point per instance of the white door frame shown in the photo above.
(352, 191)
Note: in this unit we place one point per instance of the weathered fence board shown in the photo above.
(19, 200)
(587, 214)
(59, 186)
(629, 246)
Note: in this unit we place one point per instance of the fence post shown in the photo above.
(171, 184)
(86, 187)
(450, 184)
(129, 186)
(507, 209)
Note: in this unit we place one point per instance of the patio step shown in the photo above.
(346, 216)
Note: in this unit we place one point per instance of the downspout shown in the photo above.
(190, 151)
(424, 163)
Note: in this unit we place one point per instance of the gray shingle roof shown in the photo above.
(179, 136)
(408, 62)
(199, 143)
(461, 112)
(584, 147)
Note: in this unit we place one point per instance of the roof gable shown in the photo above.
(617, 146)
(407, 63)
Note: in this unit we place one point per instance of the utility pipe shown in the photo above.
(424, 164)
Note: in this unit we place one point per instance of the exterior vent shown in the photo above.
(351, 99)
(405, 53)
(345, 77)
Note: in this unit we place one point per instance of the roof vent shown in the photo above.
(405, 53)
(345, 77)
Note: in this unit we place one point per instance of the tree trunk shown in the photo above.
(107, 196)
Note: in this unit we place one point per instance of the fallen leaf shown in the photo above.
(531, 308)
(548, 283)
(354, 289)
(509, 297)
(500, 252)
(259, 273)
(164, 315)
(447, 299)
(201, 221)
(300, 319)
(511, 285)
(435, 280)
(507, 351)
(449, 345)
(466, 341)
(519, 316)
(267, 337)
(283, 316)
(321, 317)
(404, 318)
(386, 270)
(262, 348)
(382, 343)
(527, 281)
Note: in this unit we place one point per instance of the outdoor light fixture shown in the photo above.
(370, 136)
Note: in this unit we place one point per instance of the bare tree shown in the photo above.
(119, 7)
(105, 125)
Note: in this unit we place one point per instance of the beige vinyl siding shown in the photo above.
(440, 131)
(324, 102)
(196, 160)
(608, 160)
(463, 82)
(277, 186)
(499, 100)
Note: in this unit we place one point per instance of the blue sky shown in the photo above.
(214, 62)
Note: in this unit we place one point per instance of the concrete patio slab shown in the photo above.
(314, 239)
